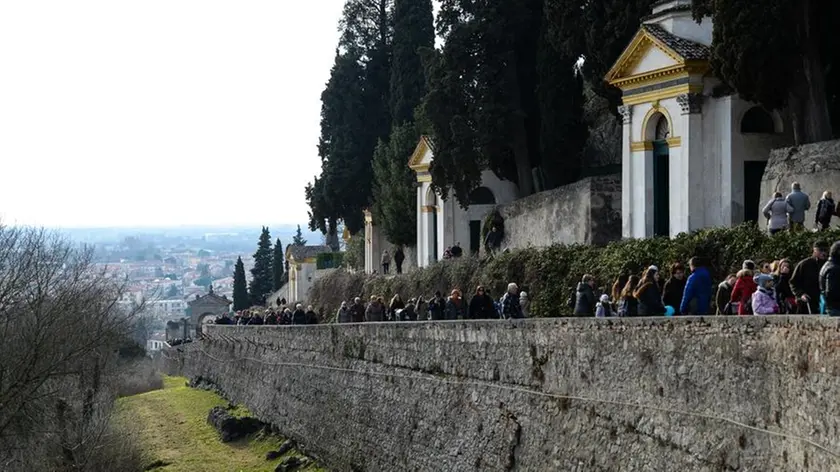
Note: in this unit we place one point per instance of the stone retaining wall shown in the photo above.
(540, 395)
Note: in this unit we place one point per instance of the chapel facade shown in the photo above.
(693, 155)
(443, 223)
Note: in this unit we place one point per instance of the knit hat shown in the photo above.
(653, 268)
(748, 265)
(605, 298)
(762, 279)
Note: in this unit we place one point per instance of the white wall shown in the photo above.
(653, 59)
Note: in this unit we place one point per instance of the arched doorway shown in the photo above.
(430, 212)
(204, 320)
(661, 179)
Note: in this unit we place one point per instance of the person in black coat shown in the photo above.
(481, 306)
(299, 316)
(805, 280)
(648, 294)
(399, 258)
(672, 292)
(437, 305)
(585, 303)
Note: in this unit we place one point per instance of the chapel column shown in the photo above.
(697, 189)
(626, 172)
(420, 244)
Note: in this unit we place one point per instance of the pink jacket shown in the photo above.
(764, 303)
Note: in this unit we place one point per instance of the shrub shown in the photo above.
(550, 274)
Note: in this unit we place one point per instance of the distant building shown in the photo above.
(155, 343)
(204, 310)
(303, 270)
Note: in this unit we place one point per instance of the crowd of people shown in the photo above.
(788, 212)
(482, 306)
(282, 315)
(812, 286)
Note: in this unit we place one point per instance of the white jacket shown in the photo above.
(776, 212)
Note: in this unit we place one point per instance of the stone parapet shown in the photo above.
(664, 394)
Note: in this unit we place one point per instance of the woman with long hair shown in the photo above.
(648, 294)
(628, 305)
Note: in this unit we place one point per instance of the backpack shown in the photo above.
(572, 301)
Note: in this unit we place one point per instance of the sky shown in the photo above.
(161, 112)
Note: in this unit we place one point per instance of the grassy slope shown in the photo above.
(172, 425)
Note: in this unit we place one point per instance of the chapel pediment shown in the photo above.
(654, 53)
(422, 157)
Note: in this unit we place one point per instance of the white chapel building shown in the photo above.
(692, 155)
(442, 224)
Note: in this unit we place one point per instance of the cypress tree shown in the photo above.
(413, 31)
(240, 288)
(279, 264)
(262, 274)
(298, 240)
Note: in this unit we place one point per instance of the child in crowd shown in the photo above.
(603, 309)
(764, 299)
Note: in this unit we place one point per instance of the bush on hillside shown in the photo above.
(549, 275)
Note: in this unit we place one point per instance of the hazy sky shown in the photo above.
(161, 112)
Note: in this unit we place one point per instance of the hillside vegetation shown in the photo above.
(550, 274)
(171, 425)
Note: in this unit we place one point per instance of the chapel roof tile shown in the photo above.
(300, 253)
(686, 48)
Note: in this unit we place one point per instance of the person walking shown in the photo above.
(399, 257)
(800, 203)
(776, 211)
(386, 261)
(805, 280)
(830, 281)
(825, 210)
(585, 302)
(698, 289)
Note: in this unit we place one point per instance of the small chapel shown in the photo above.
(693, 154)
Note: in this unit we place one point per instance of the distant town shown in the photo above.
(164, 268)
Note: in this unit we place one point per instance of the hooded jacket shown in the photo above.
(699, 287)
(585, 304)
(741, 293)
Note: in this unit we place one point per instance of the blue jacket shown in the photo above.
(699, 286)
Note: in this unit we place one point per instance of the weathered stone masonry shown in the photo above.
(458, 396)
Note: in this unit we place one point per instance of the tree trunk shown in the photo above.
(519, 133)
(808, 102)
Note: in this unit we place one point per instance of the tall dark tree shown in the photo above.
(394, 191)
(241, 301)
(354, 116)
(413, 31)
(298, 240)
(780, 53)
(262, 275)
(278, 264)
(598, 32)
(483, 103)
(393, 185)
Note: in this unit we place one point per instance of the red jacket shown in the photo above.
(741, 293)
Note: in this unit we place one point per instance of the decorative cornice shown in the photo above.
(674, 142)
(640, 146)
(415, 163)
(663, 94)
(626, 113)
(691, 103)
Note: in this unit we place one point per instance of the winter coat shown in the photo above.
(481, 308)
(800, 203)
(628, 306)
(603, 310)
(830, 284)
(672, 293)
(357, 313)
(395, 305)
(455, 309)
(650, 301)
(783, 291)
(436, 308)
(764, 302)
(343, 315)
(399, 256)
(697, 287)
(805, 279)
(741, 293)
(723, 297)
(375, 311)
(385, 259)
(585, 304)
(511, 307)
(826, 209)
(776, 212)
(299, 317)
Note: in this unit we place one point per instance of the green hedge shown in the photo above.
(549, 275)
(329, 260)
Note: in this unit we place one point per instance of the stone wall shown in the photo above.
(815, 166)
(684, 394)
(585, 212)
